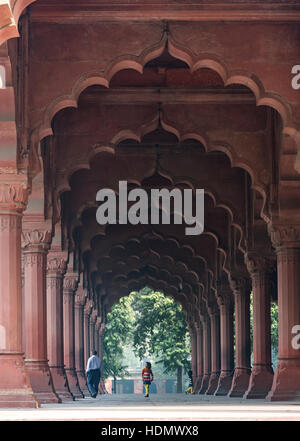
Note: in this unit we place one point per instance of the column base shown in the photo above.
(286, 382)
(41, 381)
(198, 383)
(240, 382)
(224, 384)
(102, 389)
(60, 383)
(83, 383)
(73, 383)
(15, 388)
(204, 384)
(260, 382)
(213, 384)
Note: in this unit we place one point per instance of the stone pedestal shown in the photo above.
(286, 382)
(262, 373)
(241, 377)
(226, 337)
(36, 243)
(15, 388)
(69, 287)
(56, 267)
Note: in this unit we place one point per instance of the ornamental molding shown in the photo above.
(10, 223)
(34, 259)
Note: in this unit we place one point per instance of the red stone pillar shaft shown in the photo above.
(215, 350)
(206, 355)
(199, 353)
(226, 337)
(194, 354)
(92, 331)
(55, 270)
(79, 342)
(101, 334)
(240, 381)
(86, 315)
(286, 383)
(70, 285)
(262, 373)
(15, 388)
(36, 244)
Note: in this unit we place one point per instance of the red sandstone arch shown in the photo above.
(242, 77)
(10, 13)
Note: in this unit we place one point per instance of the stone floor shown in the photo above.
(169, 407)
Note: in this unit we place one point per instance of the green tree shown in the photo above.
(117, 334)
(161, 330)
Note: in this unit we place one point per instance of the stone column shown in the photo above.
(69, 287)
(101, 334)
(56, 267)
(15, 387)
(286, 382)
(93, 319)
(36, 243)
(206, 354)
(194, 353)
(242, 372)
(97, 335)
(262, 373)
(226, 336)
(199, 359)
(86, 333)
(79, 340)
(215, 349)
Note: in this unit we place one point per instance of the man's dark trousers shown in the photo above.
(93, 380)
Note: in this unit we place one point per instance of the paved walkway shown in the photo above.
(169, 407)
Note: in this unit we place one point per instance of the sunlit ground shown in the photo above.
(175, 407)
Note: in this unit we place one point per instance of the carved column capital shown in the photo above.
(224, 294)
(98, 323)
(213, 309)
(93, 317)
(258, 263)
(88, 307)
(284, 235)
(36, 240)
(70, 283)
(80, 297)
(56, 265)
(13, 196)
(102, 328)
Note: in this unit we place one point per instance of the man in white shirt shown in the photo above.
(93, 373)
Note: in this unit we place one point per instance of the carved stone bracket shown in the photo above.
(284, 235)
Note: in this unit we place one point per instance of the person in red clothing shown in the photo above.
(147, 376)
